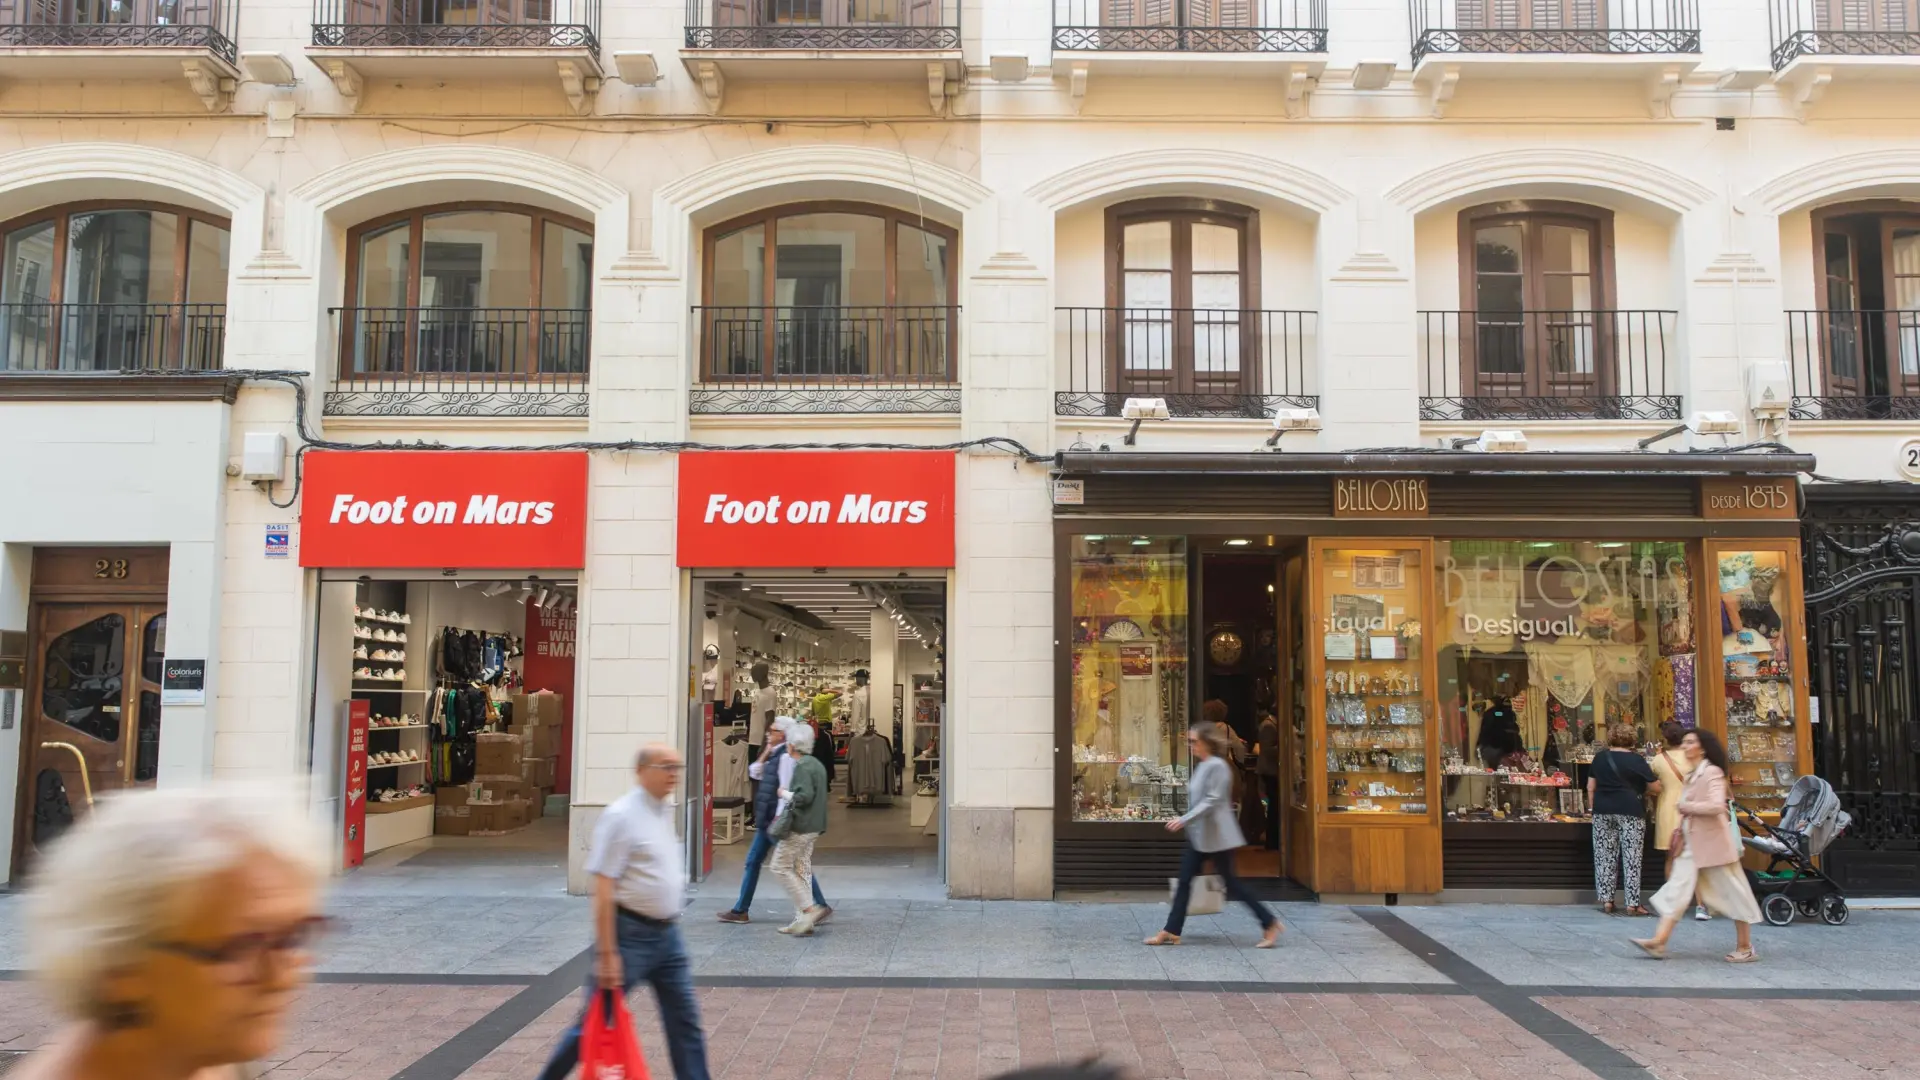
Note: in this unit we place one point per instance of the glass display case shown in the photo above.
(1547, 645)
(1373, 687)
(1759, 632)
(1129, 677)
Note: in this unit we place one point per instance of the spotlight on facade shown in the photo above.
(1494, 441)
(1137, 409)
(1714, 422)
(1289, 419)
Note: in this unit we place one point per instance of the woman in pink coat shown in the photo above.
(1709, 855)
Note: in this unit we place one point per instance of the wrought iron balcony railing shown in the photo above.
(1842, 28)
(41, 337)
(1204, 362)
(826, 359)
(1547, 365)
(457, 24)
(131, 24)
(851, 25)
(1603, 27)
(1854, 365)
(494, 361)
(1201, 26)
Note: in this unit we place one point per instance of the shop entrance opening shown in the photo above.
(863, 661)
(443, 715)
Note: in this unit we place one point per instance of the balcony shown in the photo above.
(1204, 362)
(493, 362)
(1854, 365)
(1816, 41)
(1547, 365)
(814, 40)
(124, 40)
(90, 338)
(786, 360)
(1627, 40)
(478, 40)
(1281, 39)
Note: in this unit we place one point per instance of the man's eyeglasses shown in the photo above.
(675, 767)
(248, 952)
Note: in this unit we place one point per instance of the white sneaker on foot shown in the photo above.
(1700, 913)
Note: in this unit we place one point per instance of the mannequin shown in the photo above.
(765, 700)
(862, 705)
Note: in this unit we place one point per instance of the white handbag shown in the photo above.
(1209, 895)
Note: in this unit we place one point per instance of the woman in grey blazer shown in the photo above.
(1212, 835)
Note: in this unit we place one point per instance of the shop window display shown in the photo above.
(1371, 639)
(1548, 644)
(1757, 670)
(1129, 677)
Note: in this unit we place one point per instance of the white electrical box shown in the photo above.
(1769, 393)
(263, 456)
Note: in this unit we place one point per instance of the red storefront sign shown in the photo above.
(359, 718)
(480, 510)
(755, 508)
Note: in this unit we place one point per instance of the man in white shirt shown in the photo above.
(639, 889)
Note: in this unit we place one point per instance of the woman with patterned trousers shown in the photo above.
(1617, 787)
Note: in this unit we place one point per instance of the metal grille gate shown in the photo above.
(1862, 552)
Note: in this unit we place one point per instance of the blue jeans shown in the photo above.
(656, 953)
(763, 846)
(1191, 862)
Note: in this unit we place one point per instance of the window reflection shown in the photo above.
(1130, 677)
(82, 684)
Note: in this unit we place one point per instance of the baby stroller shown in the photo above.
(1811, 819)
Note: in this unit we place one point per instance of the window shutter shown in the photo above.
(1203, 13)
(1855, 15)
(1896, 16)
(1546, 14)
(728, 13)
(1156, 13)
(1504, 14)
(1121, 13)
(923, 13)
(1588, 15)
(1236, 12)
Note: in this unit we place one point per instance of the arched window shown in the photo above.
(1868, 285)
(114, 286)
(467, 289)
(829, 290)
(1183, 285)
(1537, 280)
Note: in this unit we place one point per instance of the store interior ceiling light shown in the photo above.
(1237, 542)
(496, 588)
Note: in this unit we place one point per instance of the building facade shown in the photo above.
(1399, 224)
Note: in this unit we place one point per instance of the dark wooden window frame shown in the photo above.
(62, 218)
(1187, 211)
(1885, 213)
(769, 218)
(415, 220)
(1530, 214)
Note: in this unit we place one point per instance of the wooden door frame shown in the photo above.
(1531, 215)
(1183, 214)
(1899, 384)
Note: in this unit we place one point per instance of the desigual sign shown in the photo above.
(481, 510)
(766, 508)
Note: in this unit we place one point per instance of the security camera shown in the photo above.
(712, 614)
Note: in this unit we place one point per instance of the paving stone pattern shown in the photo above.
(1746, 1040)
(936, 1034)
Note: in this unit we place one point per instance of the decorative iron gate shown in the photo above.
(1862, 552)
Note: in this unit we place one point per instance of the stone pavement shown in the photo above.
(450, 967)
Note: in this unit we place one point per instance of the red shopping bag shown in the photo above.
(609, 1048)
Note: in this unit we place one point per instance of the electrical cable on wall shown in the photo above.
(309, 441)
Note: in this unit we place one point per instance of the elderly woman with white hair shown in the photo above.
(802, 820)
(172, 928)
